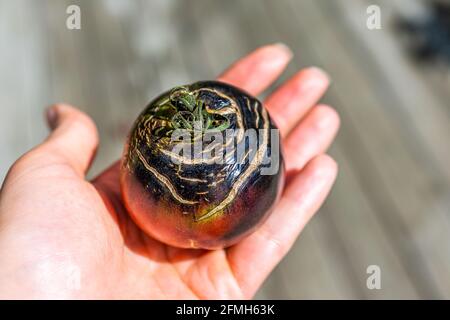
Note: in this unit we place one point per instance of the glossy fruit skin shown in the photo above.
(200, 205)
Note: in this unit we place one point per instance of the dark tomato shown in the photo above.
(202, 167)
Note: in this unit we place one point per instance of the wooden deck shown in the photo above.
(391, 203)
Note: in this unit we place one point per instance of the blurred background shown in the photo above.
(390, 206)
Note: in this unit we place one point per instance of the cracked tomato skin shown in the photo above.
(193, 202)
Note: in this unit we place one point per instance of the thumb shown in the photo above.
(73, 140)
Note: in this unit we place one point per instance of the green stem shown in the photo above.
(192, 115)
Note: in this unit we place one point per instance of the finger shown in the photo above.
(254, 258)
(255, 72)
(289, 103)
(73, 140)
(312, 136)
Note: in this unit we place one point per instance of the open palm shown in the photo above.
(62, 236)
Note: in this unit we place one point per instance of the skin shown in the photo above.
(62, 236)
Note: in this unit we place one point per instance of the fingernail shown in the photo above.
(325, 116)
(321, 73)
(283, 47)
(52, 117)
(313, 79)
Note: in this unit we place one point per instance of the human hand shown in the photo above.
(62, 236)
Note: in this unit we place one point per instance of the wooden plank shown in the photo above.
(423, 212)
(333, 272)
(375, 145)
(364, 238)
(419, 112)
(12, 112)
(77, 71)
(24, 83)
(106, 81)
(307, 277)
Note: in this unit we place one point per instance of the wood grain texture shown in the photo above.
(391, 203)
